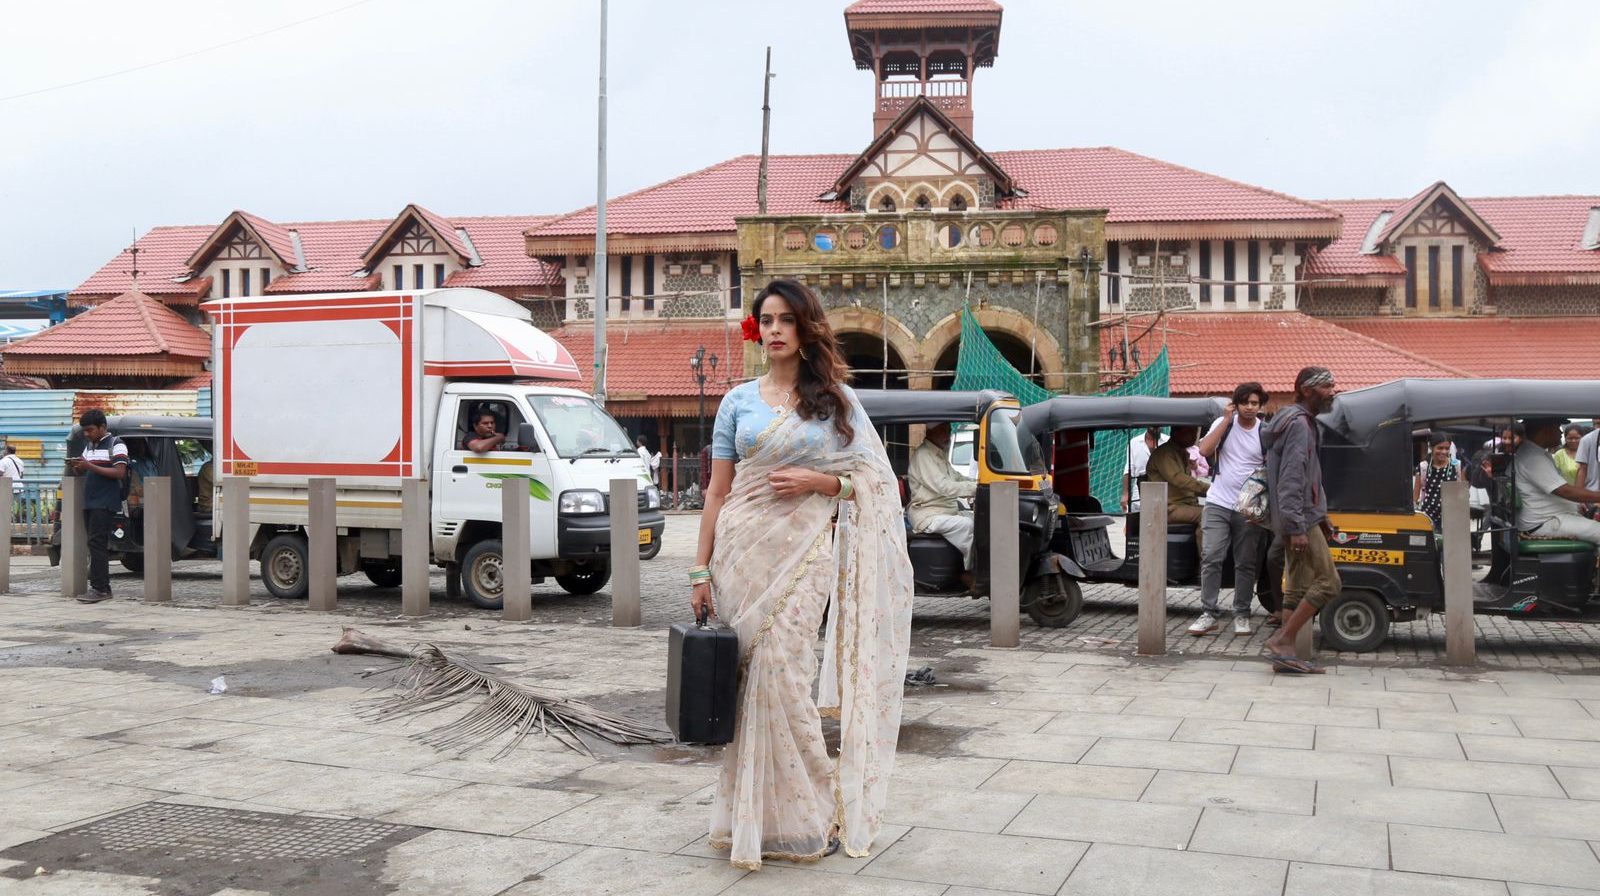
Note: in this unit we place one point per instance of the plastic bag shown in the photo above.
(1252, 501)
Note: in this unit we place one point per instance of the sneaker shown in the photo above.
(1205, 625)
(94, 597)
(1241, 625)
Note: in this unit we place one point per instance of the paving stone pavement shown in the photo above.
(1055, 768)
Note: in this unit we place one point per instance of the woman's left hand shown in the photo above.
(795, 482)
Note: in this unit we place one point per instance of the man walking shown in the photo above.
(1235, 441)
(1299, 509)
(105, 464)
(11, 465)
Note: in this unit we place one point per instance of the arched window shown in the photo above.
(958, 203)
(887, 205)
(923, 203)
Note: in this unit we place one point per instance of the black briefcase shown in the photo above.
(702, 681)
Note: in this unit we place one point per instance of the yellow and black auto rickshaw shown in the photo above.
(1388, 556)
(1070, 428)
(1003, 450)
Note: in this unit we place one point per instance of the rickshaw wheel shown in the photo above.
(1355, 622)
(1054, 601)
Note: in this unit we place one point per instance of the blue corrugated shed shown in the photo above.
(202, 402)
(48, 415)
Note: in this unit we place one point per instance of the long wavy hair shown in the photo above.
(823, 371)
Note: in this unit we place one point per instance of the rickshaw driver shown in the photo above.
(1548, 504)
(935, 487)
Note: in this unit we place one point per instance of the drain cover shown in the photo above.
(201, 849)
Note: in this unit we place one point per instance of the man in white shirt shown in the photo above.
(11, 465)
(1589, 458)
(935, 489)
(1548, 507)
(652, 460)
(1235, 441)
(1140, 447)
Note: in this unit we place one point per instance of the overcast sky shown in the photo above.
(488, 106)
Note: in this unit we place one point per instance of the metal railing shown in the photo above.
(32, 508)
(907, 89)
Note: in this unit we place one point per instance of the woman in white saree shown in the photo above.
(804, 511)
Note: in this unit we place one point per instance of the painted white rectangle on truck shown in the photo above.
(329, 387)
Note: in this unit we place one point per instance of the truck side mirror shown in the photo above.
(527, 439)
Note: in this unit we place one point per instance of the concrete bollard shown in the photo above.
(235, 510)
(8, 513)
(157, 539)
(516, 560)
(1460, 635)
(1005, 576)
(322, 552)
(74, 539)
(415, 551)
(625, 611)
(1152, 569)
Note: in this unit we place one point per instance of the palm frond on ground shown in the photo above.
(434, 681)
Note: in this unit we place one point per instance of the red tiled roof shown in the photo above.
(163, 255)
(1211, 353)
(1539, 235)
(653, 359)
(868, 7)
(130, 324)
(1133, 188)
(1541, 238)
(333, 253)
(1343, 257)
(1535, 348)
(1404, 209)
(276, 236)
(446, 231)
(198, 381)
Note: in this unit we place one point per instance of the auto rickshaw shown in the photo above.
(1388, 556)
(176, 447)
(1004, 450)
(1069, 426)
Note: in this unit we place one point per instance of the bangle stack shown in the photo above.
(699, 575)
(846, 490)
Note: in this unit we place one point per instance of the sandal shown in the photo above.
(833, 846)
(1295, 665)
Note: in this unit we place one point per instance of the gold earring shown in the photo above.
(803, 354)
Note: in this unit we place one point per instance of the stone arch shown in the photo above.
(954, 187)
(892, 191)
(866, 321)
(1047, 354)
(920, 188)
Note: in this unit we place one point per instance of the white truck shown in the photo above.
(376, 388)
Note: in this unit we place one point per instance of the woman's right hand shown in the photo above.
(700, 601)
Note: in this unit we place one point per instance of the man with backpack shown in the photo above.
(1235, 441)
(104, 464)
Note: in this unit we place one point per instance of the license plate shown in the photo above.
(644, 536)
(1368, 556)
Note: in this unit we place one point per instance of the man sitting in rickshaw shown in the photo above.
(935, 490)
(1170, 464)
(1547, 503)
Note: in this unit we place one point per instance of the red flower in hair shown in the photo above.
(751, 329)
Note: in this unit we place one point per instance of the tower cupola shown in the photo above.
(926, 48)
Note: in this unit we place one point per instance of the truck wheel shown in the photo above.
(482, 575)
(383, 573)
(1054, 601)
(586, 579)
(1355, 622)
(283, 567)
(133, 563)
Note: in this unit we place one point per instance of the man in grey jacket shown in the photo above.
(1299, 509)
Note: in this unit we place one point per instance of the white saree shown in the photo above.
(776, 565)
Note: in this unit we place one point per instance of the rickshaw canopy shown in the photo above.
(153, 426)
(1359, 414)
(886, 406)
(1119, 412)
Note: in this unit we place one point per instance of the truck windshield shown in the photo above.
(578, 427)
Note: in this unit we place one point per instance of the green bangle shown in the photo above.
(846, 489)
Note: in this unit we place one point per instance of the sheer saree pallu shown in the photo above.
(776, 566)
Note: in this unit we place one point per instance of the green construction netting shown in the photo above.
(981, 366)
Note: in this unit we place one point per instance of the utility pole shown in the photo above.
(602, 292)
(766, 129)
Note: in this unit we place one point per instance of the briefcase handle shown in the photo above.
(701, 616)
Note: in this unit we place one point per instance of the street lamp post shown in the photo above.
(698, 364)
